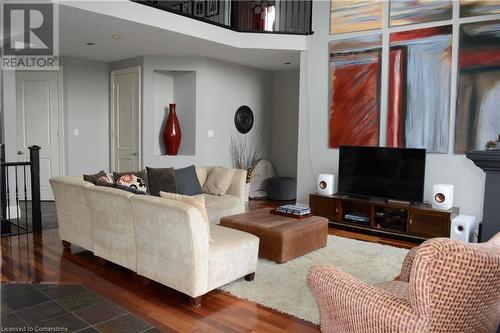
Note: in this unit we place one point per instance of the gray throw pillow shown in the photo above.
(187, 181)
(101, 176)
(161, 179)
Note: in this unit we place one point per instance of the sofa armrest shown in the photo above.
(349, 305)
(237, 187)
(404, 275)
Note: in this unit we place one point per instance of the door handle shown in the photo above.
(20, 152)
(133, 154)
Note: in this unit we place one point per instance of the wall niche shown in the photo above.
(177, 87)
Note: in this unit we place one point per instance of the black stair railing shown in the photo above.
(271, 16)
(14, 191)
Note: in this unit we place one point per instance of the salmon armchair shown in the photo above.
(444, 286)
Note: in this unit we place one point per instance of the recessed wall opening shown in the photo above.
(177, 87)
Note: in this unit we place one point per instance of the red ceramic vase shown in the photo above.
(172, 132)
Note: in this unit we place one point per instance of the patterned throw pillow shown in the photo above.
(129, 189)
(132, 181)
(141, 184)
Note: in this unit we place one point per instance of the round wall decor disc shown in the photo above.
(243, 119)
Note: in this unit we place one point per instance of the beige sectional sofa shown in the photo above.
(160, 239)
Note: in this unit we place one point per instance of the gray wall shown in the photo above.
(220, 88)
(285, 122)
(314, 156)
(9, 114)
(2, 137)
(86, 105)
(225, 87)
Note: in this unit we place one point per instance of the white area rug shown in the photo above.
(283, 286)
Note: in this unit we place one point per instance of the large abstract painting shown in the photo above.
(419, 11)
(479, 7)
(478, 111)
(419, 89)
(355, 91)
(355, 15)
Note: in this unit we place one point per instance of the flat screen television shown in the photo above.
(391, 173)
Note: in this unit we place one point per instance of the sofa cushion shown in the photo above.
(232, 254)
(197, 202)
(161, 179)
(101, 176)
(218, 180)
(187, 181)
(134, 179)
(222, 205)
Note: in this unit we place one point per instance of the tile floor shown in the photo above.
(63, 308)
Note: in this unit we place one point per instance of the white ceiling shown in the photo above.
(79, 26)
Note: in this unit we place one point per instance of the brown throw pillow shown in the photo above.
(161, 179)
(197, 201)
(134, 179)
(101, 177)
(218, 180)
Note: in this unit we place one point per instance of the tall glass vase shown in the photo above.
(172, 132)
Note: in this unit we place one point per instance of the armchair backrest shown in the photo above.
(457, 285)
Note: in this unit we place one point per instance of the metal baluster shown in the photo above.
(25, 198)
(251, 17)
(17, 200)
(8, 194)
(5, 225)
(36, 210)
(287, 16)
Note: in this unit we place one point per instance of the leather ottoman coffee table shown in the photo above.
(281, 238)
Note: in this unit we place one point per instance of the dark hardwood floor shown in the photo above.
(40, 258)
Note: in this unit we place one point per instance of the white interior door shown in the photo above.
(37, 103)
(125, 119)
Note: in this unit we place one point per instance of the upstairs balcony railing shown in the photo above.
(278, 16)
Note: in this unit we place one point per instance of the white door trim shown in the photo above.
(134, 69)
(61, 129)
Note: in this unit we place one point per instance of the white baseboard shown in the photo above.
(12, 212)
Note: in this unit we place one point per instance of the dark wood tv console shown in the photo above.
(418, 222)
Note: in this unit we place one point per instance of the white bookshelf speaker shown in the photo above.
(442, 196)
(462, 228)
(325, 184)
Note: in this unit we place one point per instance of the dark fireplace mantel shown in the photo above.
(489, 162)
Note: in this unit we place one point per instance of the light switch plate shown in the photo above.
(76, 132)
(211, 133)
